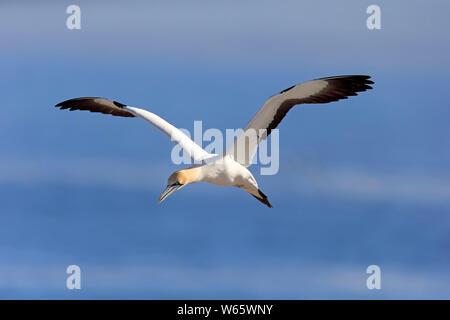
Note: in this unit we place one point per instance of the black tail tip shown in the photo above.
(263, 198)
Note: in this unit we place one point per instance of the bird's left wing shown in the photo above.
(114, 108)
(321, 90)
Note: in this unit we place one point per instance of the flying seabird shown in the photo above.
(230, 168)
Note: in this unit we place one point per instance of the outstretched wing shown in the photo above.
(321, 90)
(114, 108)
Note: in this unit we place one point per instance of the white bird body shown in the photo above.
(230, 168)
(221, 170)
(225, 171)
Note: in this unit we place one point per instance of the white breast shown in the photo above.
(225, 172)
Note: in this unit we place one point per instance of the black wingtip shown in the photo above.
(61, 104)
(96, 104)
(287, 89)
(362, 80)
(120, 105)
(68, 103)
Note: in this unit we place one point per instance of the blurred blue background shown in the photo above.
(362, 181)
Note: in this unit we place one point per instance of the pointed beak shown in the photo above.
(169, 190)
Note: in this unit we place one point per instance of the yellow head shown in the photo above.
(178, 180)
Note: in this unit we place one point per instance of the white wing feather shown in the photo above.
(101, 105)
(195, 152)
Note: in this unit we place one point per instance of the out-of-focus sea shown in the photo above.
(363, 181)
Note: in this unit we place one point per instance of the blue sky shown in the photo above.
(363, 181)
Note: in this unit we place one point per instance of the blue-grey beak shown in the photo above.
(169, 190)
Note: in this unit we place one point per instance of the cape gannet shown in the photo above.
(230, 168)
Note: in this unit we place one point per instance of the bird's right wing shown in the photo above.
(321, 90)
(114, 108)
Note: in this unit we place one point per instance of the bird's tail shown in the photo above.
(263, 198)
